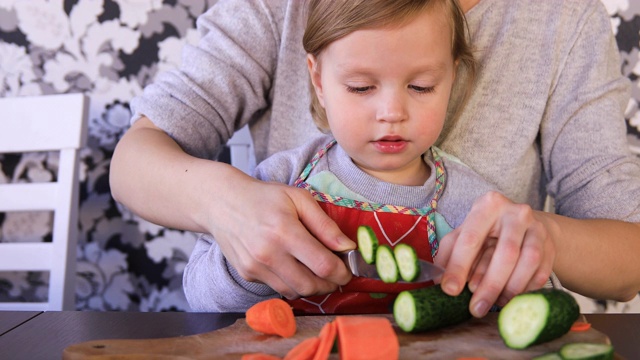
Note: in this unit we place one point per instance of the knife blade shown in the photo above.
(358, 267)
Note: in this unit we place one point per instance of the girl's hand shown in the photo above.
(501, 249)
(278, 235)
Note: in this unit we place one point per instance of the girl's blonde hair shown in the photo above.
(331, 20)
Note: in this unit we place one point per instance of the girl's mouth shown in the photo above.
(390, 144)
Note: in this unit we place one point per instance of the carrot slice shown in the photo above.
(580, 326)
(259, 356)
(366, 337)
(305, 350)
(327, 338)
(273, 316)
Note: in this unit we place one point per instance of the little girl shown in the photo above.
(382, 74)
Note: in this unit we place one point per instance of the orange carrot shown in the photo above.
(259, 356)
(304, 350)
(580, 326)
(327, 338)
(273, 316)
(366, 337)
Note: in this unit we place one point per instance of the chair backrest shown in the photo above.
(241, 150)
(45, 123)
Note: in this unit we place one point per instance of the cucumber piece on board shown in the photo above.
(586, 351)
(536, 317)
(430, 308)
(367, 243)
(407, 261)
(386, 264)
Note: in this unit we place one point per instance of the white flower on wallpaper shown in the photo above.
(17, 76)
(134, 13)
(44, 22)
(103, 282)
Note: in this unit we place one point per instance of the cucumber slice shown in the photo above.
(586, 351)
(407, 261)
(430, 308)
(367, 243)
(536, 317)
(386, 264)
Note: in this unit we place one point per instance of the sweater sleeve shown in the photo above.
(223, 82)
(590, 170)
(212, 285)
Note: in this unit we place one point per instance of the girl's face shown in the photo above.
(386, 91)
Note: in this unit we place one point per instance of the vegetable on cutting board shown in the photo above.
(537, 316)
(305, 350)
(366, 338)
(273, 316)
(430, 308)
(586, 351)
(367, 243)
(327, 337)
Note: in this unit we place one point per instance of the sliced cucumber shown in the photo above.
(536, 317)
(586, 351)
(386, 264)
(407, 261)
(367, 243)
(430, 308)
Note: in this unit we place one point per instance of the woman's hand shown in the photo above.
(501, 249)
(278, 235)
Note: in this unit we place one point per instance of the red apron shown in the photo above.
(392, 225)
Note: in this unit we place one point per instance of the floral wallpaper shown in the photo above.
(110, 49)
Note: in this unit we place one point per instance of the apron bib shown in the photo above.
(392, 225)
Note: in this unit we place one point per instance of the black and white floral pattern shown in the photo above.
(111, 49)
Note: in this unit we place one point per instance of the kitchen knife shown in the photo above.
(358, 267)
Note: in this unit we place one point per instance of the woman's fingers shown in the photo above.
(501, 249)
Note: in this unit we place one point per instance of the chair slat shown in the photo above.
(28, 196)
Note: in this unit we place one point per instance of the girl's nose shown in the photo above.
(392, 108)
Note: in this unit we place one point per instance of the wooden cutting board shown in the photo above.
(477, 337)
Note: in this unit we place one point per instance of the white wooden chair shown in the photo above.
(45, 123)
(241, 150)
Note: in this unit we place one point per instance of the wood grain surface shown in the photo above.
(477, 337)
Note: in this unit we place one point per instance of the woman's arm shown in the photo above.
(287, 247)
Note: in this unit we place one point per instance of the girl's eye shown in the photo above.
(422, 89)
(359, 89)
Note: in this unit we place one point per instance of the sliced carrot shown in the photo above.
(273, 316)
(580, 326)
(366, 337)
(305, 350)
(259, 356)
(327, 339)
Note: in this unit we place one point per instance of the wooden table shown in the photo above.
(36, 336)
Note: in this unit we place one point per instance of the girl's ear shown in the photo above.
(314, 74)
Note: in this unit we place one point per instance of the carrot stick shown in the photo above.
(366, 337)
(327, 338)
(304, 350)
(259, 356)
(580, 326)
(273, 316)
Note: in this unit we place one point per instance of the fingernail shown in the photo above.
(450, 287)
(345, 243)
(481, 308)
